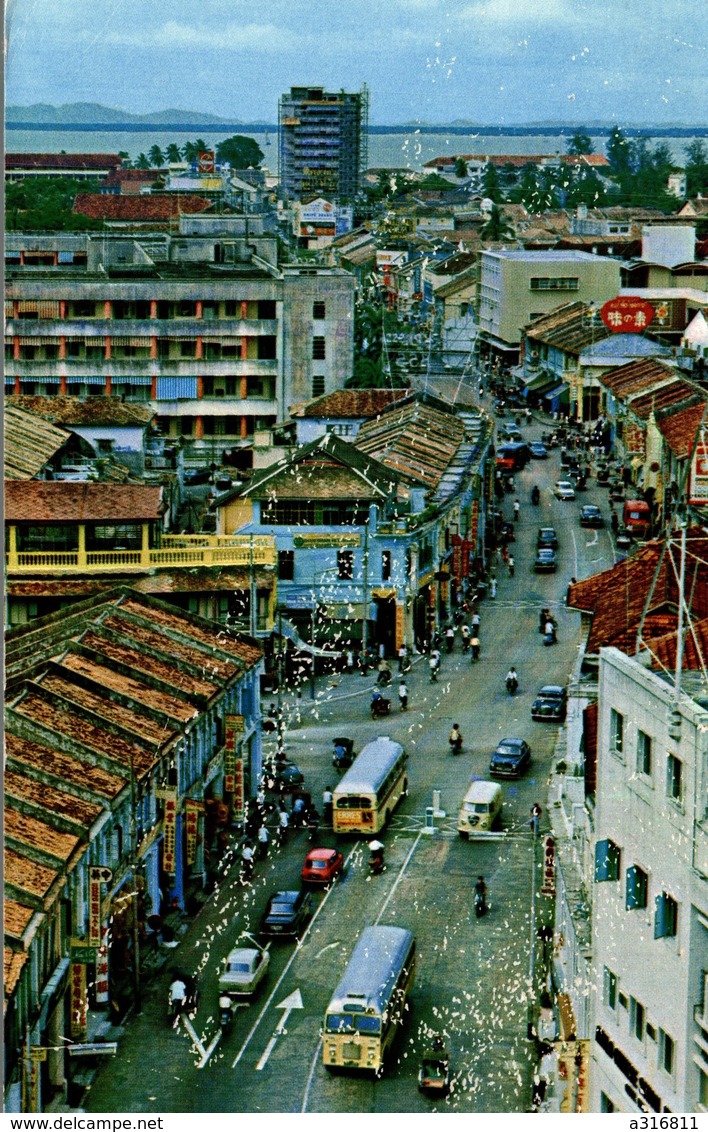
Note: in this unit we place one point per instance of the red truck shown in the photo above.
(637, 518)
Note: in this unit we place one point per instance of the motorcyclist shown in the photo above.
(512, 680)
(375, 696)
(178, 995)
(535, 494)
(475, 647)
(384, 676)
(434, 663)
(550, 631)
(450, 638)
(465, 634)
(480, 895)
(455, 739)
(403, 695)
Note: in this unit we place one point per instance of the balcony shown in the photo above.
(142, 327)
(176, 552)
(89, 369)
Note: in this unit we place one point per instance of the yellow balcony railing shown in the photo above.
(176, 552)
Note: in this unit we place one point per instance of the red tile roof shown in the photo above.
(635, 376)
(679, 430)
(695, 648)
(80, 411)
(616, 597)
(352, 403)
(83, 161)
(38, 501)
(146, 208)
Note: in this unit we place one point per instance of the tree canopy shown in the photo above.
(580, 144)
(46, 204)
(239, 152)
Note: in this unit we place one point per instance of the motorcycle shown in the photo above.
(384, 678)
(550, 637)
(376, 858)
(227, 1012)
(511, 685)
(455, 742)
(380, 707)
(535, 496)
(480, 904)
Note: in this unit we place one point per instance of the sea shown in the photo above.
(403, 148)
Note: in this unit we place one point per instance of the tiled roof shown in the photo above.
(83, 411)
(13, 962)
(695, 648)
(102, 206)
(83, 161)
(172, 707)
(29, 443)
(647, 385)
(374, 478)
(654, 400)
(65, 502)
(616, 597)
(17, 918)
(23, 830)
(73, 773)
(21, 788)
(413, 439)
(34, 881)
(351, 403)
(568, 328)
(679, 430)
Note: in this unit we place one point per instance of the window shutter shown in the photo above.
(636, 896)
(607, 859)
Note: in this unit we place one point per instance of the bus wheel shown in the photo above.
(465, 836)
(405, 787)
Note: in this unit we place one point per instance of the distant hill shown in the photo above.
(95, 114)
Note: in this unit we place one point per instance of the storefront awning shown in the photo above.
(559, 393)
(539, 382)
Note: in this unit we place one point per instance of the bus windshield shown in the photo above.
(343, 1023)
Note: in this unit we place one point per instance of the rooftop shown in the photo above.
(82, 411)
(40, 501)
(30, 442)
(351, 403)
(102, 206)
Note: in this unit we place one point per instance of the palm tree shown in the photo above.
(125, 158)
(173, 154)
(157, 157)
(497, 227)
(142, 162)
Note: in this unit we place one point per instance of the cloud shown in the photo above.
(233, 37)
(511, 11)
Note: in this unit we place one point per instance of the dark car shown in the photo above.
(591, 516)
(547, 537)
(510, 759)
(289, 775)
(550, 704)
(286, 912)
(545, 559)
(538, 450)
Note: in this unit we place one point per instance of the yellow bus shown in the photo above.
(369, 1004)
(370, 790)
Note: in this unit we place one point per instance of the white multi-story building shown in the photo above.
(650, 902)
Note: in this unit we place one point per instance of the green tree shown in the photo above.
(580, 144)
(173, 154)
(141, 161)
(497, 226)
(460, 167)
(619, 153)
(125, 158)
(157, 157)
(190, 151)
(490, 183)
(369, 371)
(240, 152)
(46, 204)
(696, 168)
(586, 188)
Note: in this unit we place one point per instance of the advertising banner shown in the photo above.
(627, 314)
(79, 1003)
(192, 810)
(549, 867)
(234, 727)
(97, 876)
(698, 494)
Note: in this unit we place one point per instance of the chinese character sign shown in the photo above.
(699, 472)
(627, 314)
(94, 909)
(239, 799)
(549, 867)
(79, 1002)
(191, 820)
(169, 837)
(234, 727)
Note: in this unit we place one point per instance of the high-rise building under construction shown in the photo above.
(322, 139)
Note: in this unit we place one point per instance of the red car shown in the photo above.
(322, 866)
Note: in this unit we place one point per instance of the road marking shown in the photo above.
(398, 879)
(327, 947)
(292, 1002)
(288, 965)
(575, 552)
(594, 541)
(192, 1032)
(210, 1048)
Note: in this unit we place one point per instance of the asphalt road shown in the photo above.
(472, 980)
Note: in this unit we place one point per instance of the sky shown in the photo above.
(482, 61)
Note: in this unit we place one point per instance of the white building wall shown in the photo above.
(667, 839)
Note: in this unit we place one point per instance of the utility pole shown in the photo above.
(137, 995)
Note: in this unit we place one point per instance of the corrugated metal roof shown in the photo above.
(414, 440)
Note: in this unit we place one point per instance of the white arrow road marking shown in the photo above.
(594, 541)
(215, 1041)
(327, 947)
(192, 1032)
(292, 1002)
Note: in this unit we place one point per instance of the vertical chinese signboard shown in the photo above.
(699, 472)
(234, 727)
(192, 810)
(549, 867)
(169, 836)
(79, 1002)
(97, 876)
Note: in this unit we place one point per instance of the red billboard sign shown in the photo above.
(206, 161)
(627, 314)
(699, 472)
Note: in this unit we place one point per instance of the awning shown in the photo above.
(540, 381)
(557, 391)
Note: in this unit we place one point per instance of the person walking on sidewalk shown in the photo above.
(535, 818)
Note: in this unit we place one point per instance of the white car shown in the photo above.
(564, 490)
(243, 970)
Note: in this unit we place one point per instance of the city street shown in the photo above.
(472, 979)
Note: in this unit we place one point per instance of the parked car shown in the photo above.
(564, 490)
(243, 971)
(538, 450)
(290, 776)
(547, 537)
(545, 560)
(591, 516)
(286, 912)
(511, 759)
(623, 538)
(322, 866)
(550, 704)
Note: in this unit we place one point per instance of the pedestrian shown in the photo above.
(492, 588)
(465, 634)
(511, 565)
(327, 797)
(299, 812)
(283, 823)
(505, 553)
(450, 638)
(402, 657)
(247, 863)
(535, 818)
(475, 647)
(350, 660)
(571, 583)
(263, 842)
(403, 695)
(475, 622)
(542, 619)
(363, 662)
(517, 508)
